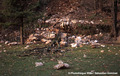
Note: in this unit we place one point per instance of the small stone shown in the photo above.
(116, 53)
(61, 64)
(102, 45)
(0, 51)
(102, 51)
(6, 42)
(27, 47)
(47, 42)
(73, 45)
(13, 43)
(0, 45)
(44, 40)
(84, 56)
(38, 64)
(4, 50)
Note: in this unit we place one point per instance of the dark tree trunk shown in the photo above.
(21, 32)
(115, 19)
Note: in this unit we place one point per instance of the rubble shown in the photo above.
(61, 65)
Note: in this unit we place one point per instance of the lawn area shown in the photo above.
(15, 62)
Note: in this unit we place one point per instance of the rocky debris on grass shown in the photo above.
(61, 65)
(38, 64)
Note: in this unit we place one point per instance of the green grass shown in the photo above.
(11, 64)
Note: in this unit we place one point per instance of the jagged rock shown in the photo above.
(61, 65)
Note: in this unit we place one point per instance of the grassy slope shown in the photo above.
(13, 65)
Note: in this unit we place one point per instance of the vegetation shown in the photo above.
(14, 65)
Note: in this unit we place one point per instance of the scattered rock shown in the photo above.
(102, 51)
(0, 45)
(48, 41)
(27, 47)
(84, 56)
(38, 64)
(0, 51)
(63, 43)
(73, 45)
(44, 40)
(102, 45)
(61, 65)
(6, 42)
(4, 50)
(13, 43)
(63, 35)
(95, 45)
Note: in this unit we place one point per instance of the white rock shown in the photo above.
(52, 35)
(27, 47)
(13, 43)
(63, 43)
(96, 41)
(61, 64)
(4, 50)
(66, 65)
(6, 42)
(48, 41)
(102, 45)
(44, 40)
(73, 44)
(84, 56)
(63, 35)
(78, 39)
(102, 51)
(38, 64)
